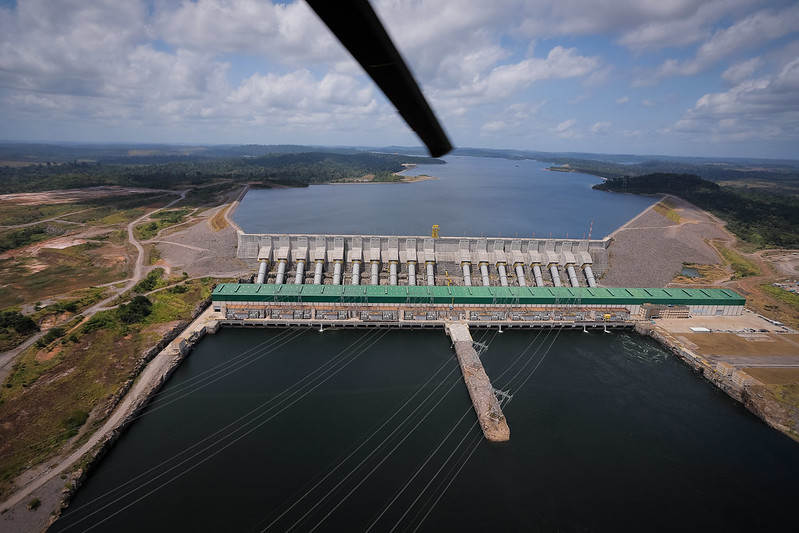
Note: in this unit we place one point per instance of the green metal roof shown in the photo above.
(233, 292)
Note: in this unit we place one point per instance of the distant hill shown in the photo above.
(162, 168)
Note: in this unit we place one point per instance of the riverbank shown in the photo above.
(55, 485)
(712, 346)
(203, 248)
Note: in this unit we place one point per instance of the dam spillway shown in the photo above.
(397, 260)
(425, 280)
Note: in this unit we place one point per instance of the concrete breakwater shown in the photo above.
(489, 413)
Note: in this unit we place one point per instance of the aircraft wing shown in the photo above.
(356, 25)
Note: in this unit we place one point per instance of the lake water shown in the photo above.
(608, 433)
(474, 196)
(297, 430)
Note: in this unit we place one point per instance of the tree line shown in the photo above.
(296, 169)
(764, 220)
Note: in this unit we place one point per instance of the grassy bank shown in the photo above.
(665, 208)
(741, 266)
(42, 404)
(787, 297)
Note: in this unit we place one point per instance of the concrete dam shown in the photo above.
(408, 260)
(450, 282)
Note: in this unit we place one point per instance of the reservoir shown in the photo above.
(473, 196)
(301, 430)
(608, 433)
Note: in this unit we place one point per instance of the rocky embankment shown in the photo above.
(757, 398)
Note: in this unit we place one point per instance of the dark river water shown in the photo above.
(297, 430)
(474, 196)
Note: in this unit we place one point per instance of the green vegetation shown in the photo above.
(766, 176)
(81, 299)
(53, 271)
(762, 220)
(790, 298)
(387, 177)
(51, 335)
(135, 311)
(153, 254)
(17, 238)
(98, 211)
(50, 393)
(741, 266)
(151, 281)
(74, 421)
(11, 214)
(163, 219)
(100, 320)
(667, 211)
(17, 321)
(15, 328)
(273, 169)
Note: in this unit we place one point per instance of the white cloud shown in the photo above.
(505, 80)
(679, 27)
(565, 129)
(288, 33)
(566, 124)
(646, 102)
(756, 108)
(508, 70)
(65, 48)
(761, 27)
(299, 90)
(494, 126)
(641, 24)
(600, 127)
(742, 70)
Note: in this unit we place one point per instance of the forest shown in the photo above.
(765, 220)
(282, 169)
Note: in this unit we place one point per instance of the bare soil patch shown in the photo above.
(774, 376)
(785, 262)
(69, 195)
(763, 344)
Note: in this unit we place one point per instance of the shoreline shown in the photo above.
(736, 384)
(178, 349)
(207, 322)
(406, 179)
(157, 365)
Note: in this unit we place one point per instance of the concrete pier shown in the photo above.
(489, 413)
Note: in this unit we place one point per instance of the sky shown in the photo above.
(672, 77)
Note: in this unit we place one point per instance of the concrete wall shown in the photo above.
(448, 253)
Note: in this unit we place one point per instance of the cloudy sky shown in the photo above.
(679, 77)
